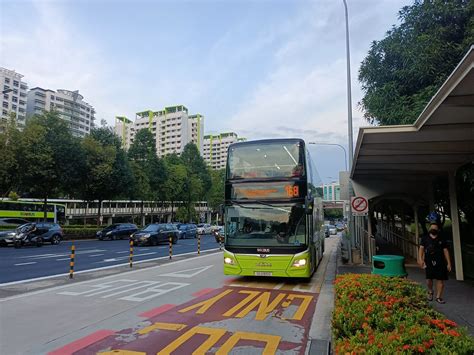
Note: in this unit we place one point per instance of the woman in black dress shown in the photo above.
(433, 256)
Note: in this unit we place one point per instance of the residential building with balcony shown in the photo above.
(70, 105)
(214, 150)
(124, 128)
(172, 128)
(14, 96)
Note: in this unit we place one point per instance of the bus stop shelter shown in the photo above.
(401, 162)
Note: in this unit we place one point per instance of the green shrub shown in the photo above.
(80, 233)
(376, 314)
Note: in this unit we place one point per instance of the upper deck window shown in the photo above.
(266, 160)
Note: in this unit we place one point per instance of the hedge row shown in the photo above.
(80, 233)
(381, 315)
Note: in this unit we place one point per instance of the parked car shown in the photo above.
(204, 228)
(7, 237)
(13, 221)
(37, 234)
(219, 234)
(332, 229)
(187, 231)
(340, 226)
(155, 233)
(117, 231)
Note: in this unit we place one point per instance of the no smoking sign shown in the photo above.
(359, 206)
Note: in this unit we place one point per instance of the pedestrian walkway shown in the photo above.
(459, 295)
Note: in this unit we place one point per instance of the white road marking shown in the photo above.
(122, 252)
(33, 262)
(98, 269)
(154, 291)
(123, 257)
(46, 256)
(62, 259)
(187, 274)
(150, 289)
(91, 256)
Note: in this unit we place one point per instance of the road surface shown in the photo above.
(180, 307)
(33, 262)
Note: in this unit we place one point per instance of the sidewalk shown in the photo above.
(458, 295)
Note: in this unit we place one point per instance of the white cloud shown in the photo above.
(53, 54)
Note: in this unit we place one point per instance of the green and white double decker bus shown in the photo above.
(273, 210)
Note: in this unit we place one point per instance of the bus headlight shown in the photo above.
(299, 263)
(228, 261)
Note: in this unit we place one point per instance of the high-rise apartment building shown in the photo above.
(215, 148)
(172, 128)
(69, 104)
(331, 191)
(14, 96)
(124, 128)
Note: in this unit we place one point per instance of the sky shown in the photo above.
(260, 68)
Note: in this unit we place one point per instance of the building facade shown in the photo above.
(332, 191)
(69, 104)
(124, 128)
(14, 96)
(172, 128)
(214, 150)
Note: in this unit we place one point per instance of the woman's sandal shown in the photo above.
(430, 296)
(440, 300)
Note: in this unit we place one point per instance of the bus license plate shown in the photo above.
(262, 273)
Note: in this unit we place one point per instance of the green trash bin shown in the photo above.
(389, 265)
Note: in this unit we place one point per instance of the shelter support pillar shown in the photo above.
(417, 227)
(453, 202)
(109, 221)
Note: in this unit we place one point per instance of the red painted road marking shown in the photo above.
(156, 311)
(220, 320)
(203, 292)
(82, 343)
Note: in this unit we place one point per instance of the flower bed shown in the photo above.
(377, 314)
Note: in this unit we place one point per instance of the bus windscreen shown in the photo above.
(269, 160)
(265, 225)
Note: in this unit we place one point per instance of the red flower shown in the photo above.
(406, 347)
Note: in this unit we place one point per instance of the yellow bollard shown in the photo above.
(71, 263)
(199, 243)
(130, 260)
(171, 247)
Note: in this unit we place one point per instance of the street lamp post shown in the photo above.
(334, 144)
(352, 239)
(349, 92)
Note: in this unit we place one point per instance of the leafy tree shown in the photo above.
(143, 146)
(48, 157)
(216, 193)
(198, 182)
(9, 152)
(333, 213)
(106, 171)
(174, 185)
(403, 71)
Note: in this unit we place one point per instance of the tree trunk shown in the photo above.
(45, 209)
(99, 213)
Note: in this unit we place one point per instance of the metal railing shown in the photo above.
(407, 244)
